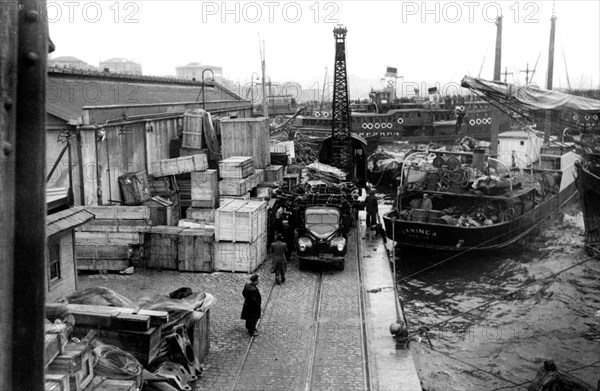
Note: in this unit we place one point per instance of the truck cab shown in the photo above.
(321, 238)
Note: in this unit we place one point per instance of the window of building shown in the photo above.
(53, 261)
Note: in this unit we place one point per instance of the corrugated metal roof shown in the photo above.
(68, 92)
(66, 219)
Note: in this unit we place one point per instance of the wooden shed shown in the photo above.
(61, 270)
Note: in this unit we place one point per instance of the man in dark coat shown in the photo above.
(371, 205)
(279, 261)
(252, 303)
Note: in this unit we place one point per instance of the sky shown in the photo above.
(432, 42)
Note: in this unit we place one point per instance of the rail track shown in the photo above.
(327, 347)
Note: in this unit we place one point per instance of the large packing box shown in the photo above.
(236, 167)
(241, 221)
(240, 257)
(274, 174)
(180, 165)
(161, 247)
(205, 189)
(247, 137)
(196, 250)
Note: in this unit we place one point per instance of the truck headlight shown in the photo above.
(339, 244)
(304, 244)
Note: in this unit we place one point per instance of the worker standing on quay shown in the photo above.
(372, 209)
(279, 265)
(252, 304)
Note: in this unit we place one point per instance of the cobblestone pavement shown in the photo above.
(278, 358)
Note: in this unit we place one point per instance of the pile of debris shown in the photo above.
(99, 339)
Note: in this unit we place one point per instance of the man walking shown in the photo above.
(372, 210)
(279, 265)
(252, 303)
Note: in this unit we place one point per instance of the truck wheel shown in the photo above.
(341, 265)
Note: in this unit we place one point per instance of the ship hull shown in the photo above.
(486, 238)
(588, 185)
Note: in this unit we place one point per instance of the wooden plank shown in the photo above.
(99, 226)
(117, 320)
(185, 151)
(56, 382)
(91, 251)
(157, 318)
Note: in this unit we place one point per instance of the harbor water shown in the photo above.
(502, 345)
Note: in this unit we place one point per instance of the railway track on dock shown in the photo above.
(313, 333)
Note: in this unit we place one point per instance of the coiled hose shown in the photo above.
(114, 363)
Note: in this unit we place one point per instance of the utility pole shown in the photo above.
(506, 73)
(265, 109)
(526, 72)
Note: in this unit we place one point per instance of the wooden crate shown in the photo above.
(78, 365)
(246, 137)
(204, 215)
(161, 247)
(200, 336)
(240, 257)
(264, 192)
(234, 187)
(163, 186)
(101, 383)
(108, 238)
(163, 211)
(241, 221)
(180, 165)
(185, 151)
(291, 181)
(236, 167)
(192, 130)
(196, 250)
(205, 189)
(143, 345)
(56, 382)
(119, 212)
(134, 187)
(274, 174)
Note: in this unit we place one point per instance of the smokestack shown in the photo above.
(498, 59)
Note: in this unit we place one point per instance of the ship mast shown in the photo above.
(341, 143)
(550, 74)
(265, 108)
(496, 115)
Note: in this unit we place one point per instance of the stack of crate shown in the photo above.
(164, 203)
(113, 239)
(241, 236)
(204, 196)
(238, 173)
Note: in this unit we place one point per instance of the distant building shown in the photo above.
(122, 65)
(70, 62)
(193, 71)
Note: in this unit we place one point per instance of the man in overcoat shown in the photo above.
(279, 250)
(252, 303)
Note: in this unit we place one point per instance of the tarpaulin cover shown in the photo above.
(532, 96)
